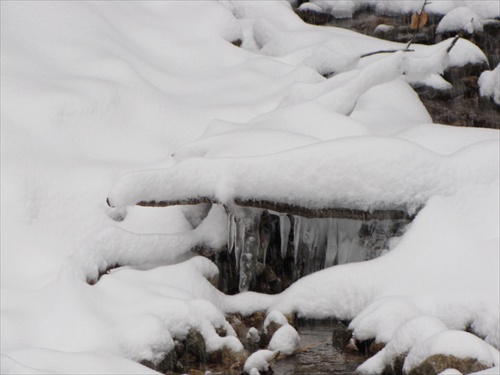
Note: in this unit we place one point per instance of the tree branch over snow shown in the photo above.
(328, 212)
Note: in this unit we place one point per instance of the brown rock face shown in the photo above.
(437, 363)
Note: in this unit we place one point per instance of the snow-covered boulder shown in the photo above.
(451, 349)
(260, 360)
(286, 340)
(461, 18)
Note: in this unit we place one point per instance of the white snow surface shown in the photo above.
(346, 8)
(457, 343)
(461, 18)
(259, 361)
(97, 96)
(489, 84)
(405, 337)
(285, 339)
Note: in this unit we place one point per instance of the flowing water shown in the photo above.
(318, 355)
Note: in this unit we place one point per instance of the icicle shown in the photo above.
(331, 244)
(239, 243)
(320, 244)
(349, 247)
(309, 239)
(231, 233)
(284, 233)
(265, 238)
(296, 237)
(249, 239)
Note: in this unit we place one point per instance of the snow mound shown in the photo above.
(411, 184)
(457, 343)
(406, 336)
(489, 84)
(274, 316)
(461, 18)
(382, 318)
(260, 360)
(285, 340)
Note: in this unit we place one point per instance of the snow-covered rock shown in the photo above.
(461, 18)
(489, 84)
(285, 340)
(260, 360)
(450, 347)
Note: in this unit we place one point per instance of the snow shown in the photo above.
(346, 8)
(286, 340)
(489, 84)
(424, 174)
(97, 96)
(450, 371)
(461, 18)
(457, 343)
(405, 337)
(260, 360)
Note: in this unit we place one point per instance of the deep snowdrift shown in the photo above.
(93, 92)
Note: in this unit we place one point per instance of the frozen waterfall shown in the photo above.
(275, 247)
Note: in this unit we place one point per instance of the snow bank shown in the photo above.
(44, 361)
(411, 184)
(465, 295)
(92, 91)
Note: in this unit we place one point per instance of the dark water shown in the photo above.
(320, 357)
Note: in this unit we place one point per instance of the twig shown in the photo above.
(385, 51)
(453, 42)
(418, 25)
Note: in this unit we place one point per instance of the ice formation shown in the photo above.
(314, 243)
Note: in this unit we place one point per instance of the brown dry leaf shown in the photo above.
(418, 20)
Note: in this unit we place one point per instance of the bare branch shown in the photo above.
(418, 25)
(385, 51)
(453, 42)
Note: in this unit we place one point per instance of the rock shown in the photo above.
(234, 360)
(237, 42)
(375, 347)
(291, 319)
(237, 325)
(268, 333)
(313, 14)
(254, 320)
(397, 364)
(352, 345)
(195, 344)
(168, 363)
(341, 335)
(252, 340)
(461, 79)
(437, 363)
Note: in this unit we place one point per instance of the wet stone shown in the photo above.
(340, 334)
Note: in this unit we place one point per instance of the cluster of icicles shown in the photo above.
(314, 243)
